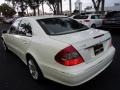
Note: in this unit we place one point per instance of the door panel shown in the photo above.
(23, 39)
(22, 44)
(9, 37)
(9, 40)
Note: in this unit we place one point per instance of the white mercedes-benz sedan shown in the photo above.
(59, 48)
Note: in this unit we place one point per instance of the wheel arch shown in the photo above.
(28, 56)
(93, 24)
(31, 55)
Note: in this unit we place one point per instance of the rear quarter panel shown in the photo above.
(44, 50)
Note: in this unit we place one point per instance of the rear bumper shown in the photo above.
(77, 78)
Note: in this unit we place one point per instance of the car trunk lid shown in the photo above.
(90, 44)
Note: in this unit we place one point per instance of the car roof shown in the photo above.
(45, 16)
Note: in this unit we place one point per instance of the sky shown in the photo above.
(87, 3)
(84, 4)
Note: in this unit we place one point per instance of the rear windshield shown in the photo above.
(80, 17)
(62, 25)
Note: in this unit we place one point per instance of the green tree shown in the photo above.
(41, 2)
(7, 11)
(33, 4)
(76, 12)
(96, 4)
(12, 1)
(102, 6)
(22, 4)
(54, 6)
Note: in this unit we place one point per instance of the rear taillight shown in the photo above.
(69, 57)
(87, 20)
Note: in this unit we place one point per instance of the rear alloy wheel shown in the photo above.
(34, 70)
(93, 26)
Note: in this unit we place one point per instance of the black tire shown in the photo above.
(93, 26)
(36, 74)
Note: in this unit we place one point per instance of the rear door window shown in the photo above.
(25, 28)
(14, 27)
(80, 17)
(95, 17)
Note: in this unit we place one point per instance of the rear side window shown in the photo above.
(58, 26)
(80, 17)
(95, 17)
(14, 27)
(25, 28)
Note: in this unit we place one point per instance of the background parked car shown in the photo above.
(112, 20)
(91, 20)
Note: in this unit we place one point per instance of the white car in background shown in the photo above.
(59, 48)
(90, 20)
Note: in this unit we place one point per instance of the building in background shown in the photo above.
(78, 6)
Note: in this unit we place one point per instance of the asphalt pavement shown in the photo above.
(14, 74)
